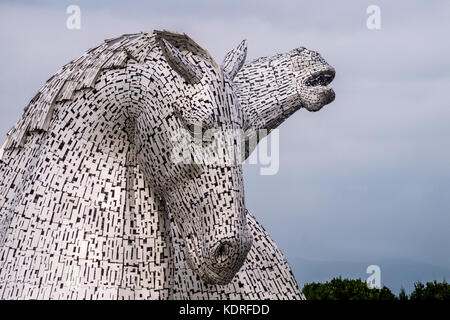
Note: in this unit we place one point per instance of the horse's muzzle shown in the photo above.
(225, 257)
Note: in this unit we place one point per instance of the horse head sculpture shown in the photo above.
(205, 199)
(135, 99)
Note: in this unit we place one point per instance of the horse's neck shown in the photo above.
(77, 217)
(268, 102)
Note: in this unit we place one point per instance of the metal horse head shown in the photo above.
(190, 93)
(154, 105)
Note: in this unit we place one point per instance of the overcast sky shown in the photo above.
(365, 179)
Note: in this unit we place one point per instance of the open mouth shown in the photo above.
(321, 78)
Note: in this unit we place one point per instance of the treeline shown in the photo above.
(356, 289)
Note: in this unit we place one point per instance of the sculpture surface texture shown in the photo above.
(95, 203)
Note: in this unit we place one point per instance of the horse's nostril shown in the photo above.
(224, 257)
(222, 252)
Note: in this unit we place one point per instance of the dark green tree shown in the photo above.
(402, 295)
(431, 291)
(345, 289)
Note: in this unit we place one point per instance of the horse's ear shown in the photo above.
(234, 60)
(181, 63)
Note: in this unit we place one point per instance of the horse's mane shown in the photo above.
(82, 73)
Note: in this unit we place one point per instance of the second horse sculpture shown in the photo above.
(97, 203)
